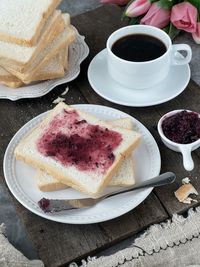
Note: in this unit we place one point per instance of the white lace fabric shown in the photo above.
(175, 243)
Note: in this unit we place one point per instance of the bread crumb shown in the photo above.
(186, 180)
(58, 100)
(189, 200)
(65, 91)
(184, 191)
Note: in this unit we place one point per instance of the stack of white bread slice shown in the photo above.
(34, 41)
(71, 148)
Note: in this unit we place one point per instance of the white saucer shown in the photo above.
(105, 86)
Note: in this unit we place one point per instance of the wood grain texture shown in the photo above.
(56, 243)
(149, 116)
(59, 244)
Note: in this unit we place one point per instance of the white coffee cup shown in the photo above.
(140, 75)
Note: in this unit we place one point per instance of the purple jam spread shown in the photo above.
(73, 141)
(44, 204)
(182, 127)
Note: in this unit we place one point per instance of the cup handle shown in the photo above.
(188, 162)
(176, 59)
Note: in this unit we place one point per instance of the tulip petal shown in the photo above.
(184, 17)
(196, 35)
(156, 16)
(137, 8)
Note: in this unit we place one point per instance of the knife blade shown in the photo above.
(56, 205)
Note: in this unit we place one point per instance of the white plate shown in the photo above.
(21, 182)
(78, 51)
(105, 86)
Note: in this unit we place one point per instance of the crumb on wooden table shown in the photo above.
(183, 192)
(58, 100)
(186, 180)
(65, 91)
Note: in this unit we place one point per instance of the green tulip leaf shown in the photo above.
(134, 21)
(167, 4)
(173, 31)
(166, 29)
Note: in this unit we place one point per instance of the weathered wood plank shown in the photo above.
(149, 116)
(58, 244)
(189, 99)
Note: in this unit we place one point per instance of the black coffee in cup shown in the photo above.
(138, 47)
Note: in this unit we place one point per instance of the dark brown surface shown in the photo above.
(59, 244)
(149, 116)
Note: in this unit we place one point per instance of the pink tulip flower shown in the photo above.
(184, 17)
(137, 8)
(116, 2)
(196, 35)
(156, 16)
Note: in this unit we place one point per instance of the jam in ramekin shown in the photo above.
(183, 127)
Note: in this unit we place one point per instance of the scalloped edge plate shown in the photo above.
(20, 177)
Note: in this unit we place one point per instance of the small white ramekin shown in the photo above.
(184, 149)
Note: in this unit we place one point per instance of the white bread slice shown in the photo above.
(126, 123)
(21, 21)
(65, 58)
(61, 41)
(5, 75)
(48, 183)
(12, 84)
(89, 182)
(123, 177)
(67, 38)
(20, 57)
(53, 70)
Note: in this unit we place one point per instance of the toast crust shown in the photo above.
(36, 35)
(26, 77)
(66, 178)
(48, 183)
(54, 30)
(11, 80)
(12, 84)
(57, 185)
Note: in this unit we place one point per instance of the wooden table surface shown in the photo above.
(58, 244)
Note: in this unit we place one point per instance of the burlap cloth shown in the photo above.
(175, 243)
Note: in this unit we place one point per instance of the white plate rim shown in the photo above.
(92, 219)
(153, 103)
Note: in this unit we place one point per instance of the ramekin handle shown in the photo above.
(188, 162)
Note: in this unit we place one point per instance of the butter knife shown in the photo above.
(55, 205)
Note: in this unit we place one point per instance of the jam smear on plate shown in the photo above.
(182, 127)
(71, 140)
(44, 204)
